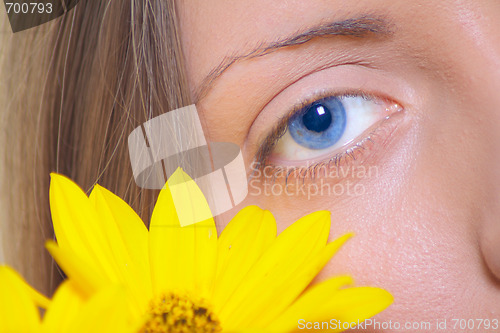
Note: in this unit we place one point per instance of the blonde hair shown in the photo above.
(73, 89)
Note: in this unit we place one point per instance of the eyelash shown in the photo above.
(339, 159)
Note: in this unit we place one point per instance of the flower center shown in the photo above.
(173, 313)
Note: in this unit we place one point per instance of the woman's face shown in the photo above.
(396, 132)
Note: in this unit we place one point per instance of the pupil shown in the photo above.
(318, 118)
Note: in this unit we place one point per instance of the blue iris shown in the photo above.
(319, 125)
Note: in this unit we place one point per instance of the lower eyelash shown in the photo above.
(312, 172)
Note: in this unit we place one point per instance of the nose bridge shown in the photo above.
(488, 47)
(481, 25)
(474, 53)
(484, 32)
(487, 44)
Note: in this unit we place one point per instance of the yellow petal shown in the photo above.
(324, 303)
(106, 311)
(65, 308)
(36, 297)
(128, 239)
(299, 280)
(180, 257)
(85, 276)
(78, 228)
(240, 245)
(161, 242)
(188, 199)
(17, 309)
(205, 242)
(293, 248)
(130, 226)
(309, 302)
(355, 304)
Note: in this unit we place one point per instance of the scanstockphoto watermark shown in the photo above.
(310, 190)
(368, 324)
(442, 325)
(312, 171)
(310, 181)
(24, 14)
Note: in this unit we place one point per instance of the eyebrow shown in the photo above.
(364, 26)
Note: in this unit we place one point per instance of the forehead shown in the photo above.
(214, 29)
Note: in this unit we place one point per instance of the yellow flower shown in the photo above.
(66, 312)
(186, 279)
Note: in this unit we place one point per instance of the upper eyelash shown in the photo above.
(312, 171)
(281, 127)
(305, 172)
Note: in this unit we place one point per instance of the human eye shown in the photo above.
(326, 128)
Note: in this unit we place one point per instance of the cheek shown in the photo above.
(416, 226)
(409, 248)
(415, 222)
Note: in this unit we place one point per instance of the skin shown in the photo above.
(428, 223)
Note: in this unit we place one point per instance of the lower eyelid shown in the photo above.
(356, 153)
